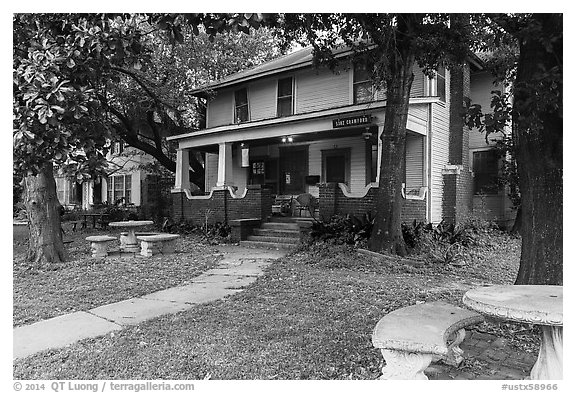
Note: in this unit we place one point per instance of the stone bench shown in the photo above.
(410, 338)
(98, 245)
(154, 244)
(124, 236)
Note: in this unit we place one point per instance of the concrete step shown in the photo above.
(277, 233)
(285, 226)
(273, 246)
(274, 239)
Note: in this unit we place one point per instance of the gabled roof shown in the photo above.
(298, 59)
(291, 61)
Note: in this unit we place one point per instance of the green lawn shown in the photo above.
(309, 317)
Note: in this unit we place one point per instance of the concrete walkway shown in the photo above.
(239, 267)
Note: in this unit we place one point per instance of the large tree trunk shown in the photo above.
(386, 235)
(45, 240)
(538, 139)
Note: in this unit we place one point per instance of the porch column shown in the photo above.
(225, 175)
(182, 170)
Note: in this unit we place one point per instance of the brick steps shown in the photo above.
(285, 226)
(269, 245)
(274, 239)
(278, 233)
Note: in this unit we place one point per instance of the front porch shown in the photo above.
(333, 157)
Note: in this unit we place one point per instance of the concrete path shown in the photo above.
(239, 267)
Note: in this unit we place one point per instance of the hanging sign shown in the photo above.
(245, 157)
(352, 121)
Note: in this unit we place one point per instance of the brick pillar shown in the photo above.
(327, 201)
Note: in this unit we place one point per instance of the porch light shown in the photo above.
(284, 139)
(290, 139)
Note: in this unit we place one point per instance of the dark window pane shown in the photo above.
(285, 87)
(241, 106)
(284, 106)
(361, 73)
(485, 167)
(241, 114)
(241, 97)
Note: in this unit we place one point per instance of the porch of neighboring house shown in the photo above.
(262, 175)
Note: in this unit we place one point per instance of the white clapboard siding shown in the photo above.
(262, 97)
(440, 154)
(357, 160)
(414, 161)
(321, 89)
(220, 111)
(418, 88)
(480, 93)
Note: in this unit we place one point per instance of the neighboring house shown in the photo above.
(490, 201)
(122, 185)
(287, 128)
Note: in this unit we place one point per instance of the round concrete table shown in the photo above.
(536, 304)
(130, 244)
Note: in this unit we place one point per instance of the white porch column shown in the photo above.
(182, 170)
(225, 175)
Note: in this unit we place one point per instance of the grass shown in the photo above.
(309, 317)
(84, 282)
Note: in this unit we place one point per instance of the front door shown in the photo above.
(293, 169)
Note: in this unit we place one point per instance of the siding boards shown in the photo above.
(414, 161)
(220, 110)
(440, 155)
(321, 89)
(481, 86)
(262, 96)
(418, 88)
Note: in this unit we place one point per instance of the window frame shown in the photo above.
(362, 82)
(342, 151)
(285, 97)
(491, 190)
(244, 105)
(126, 190)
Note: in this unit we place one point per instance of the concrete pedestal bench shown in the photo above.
(98, 245)
(154, 244)
(124, 237)
(410, 338)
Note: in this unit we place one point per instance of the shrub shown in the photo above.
(343, 229)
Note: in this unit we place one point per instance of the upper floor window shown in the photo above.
(441, 83)
(363, 88)
(285, 94)
(117, 147)
(241, 113)
(485, 167)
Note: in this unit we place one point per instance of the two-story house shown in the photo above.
(287, 128)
